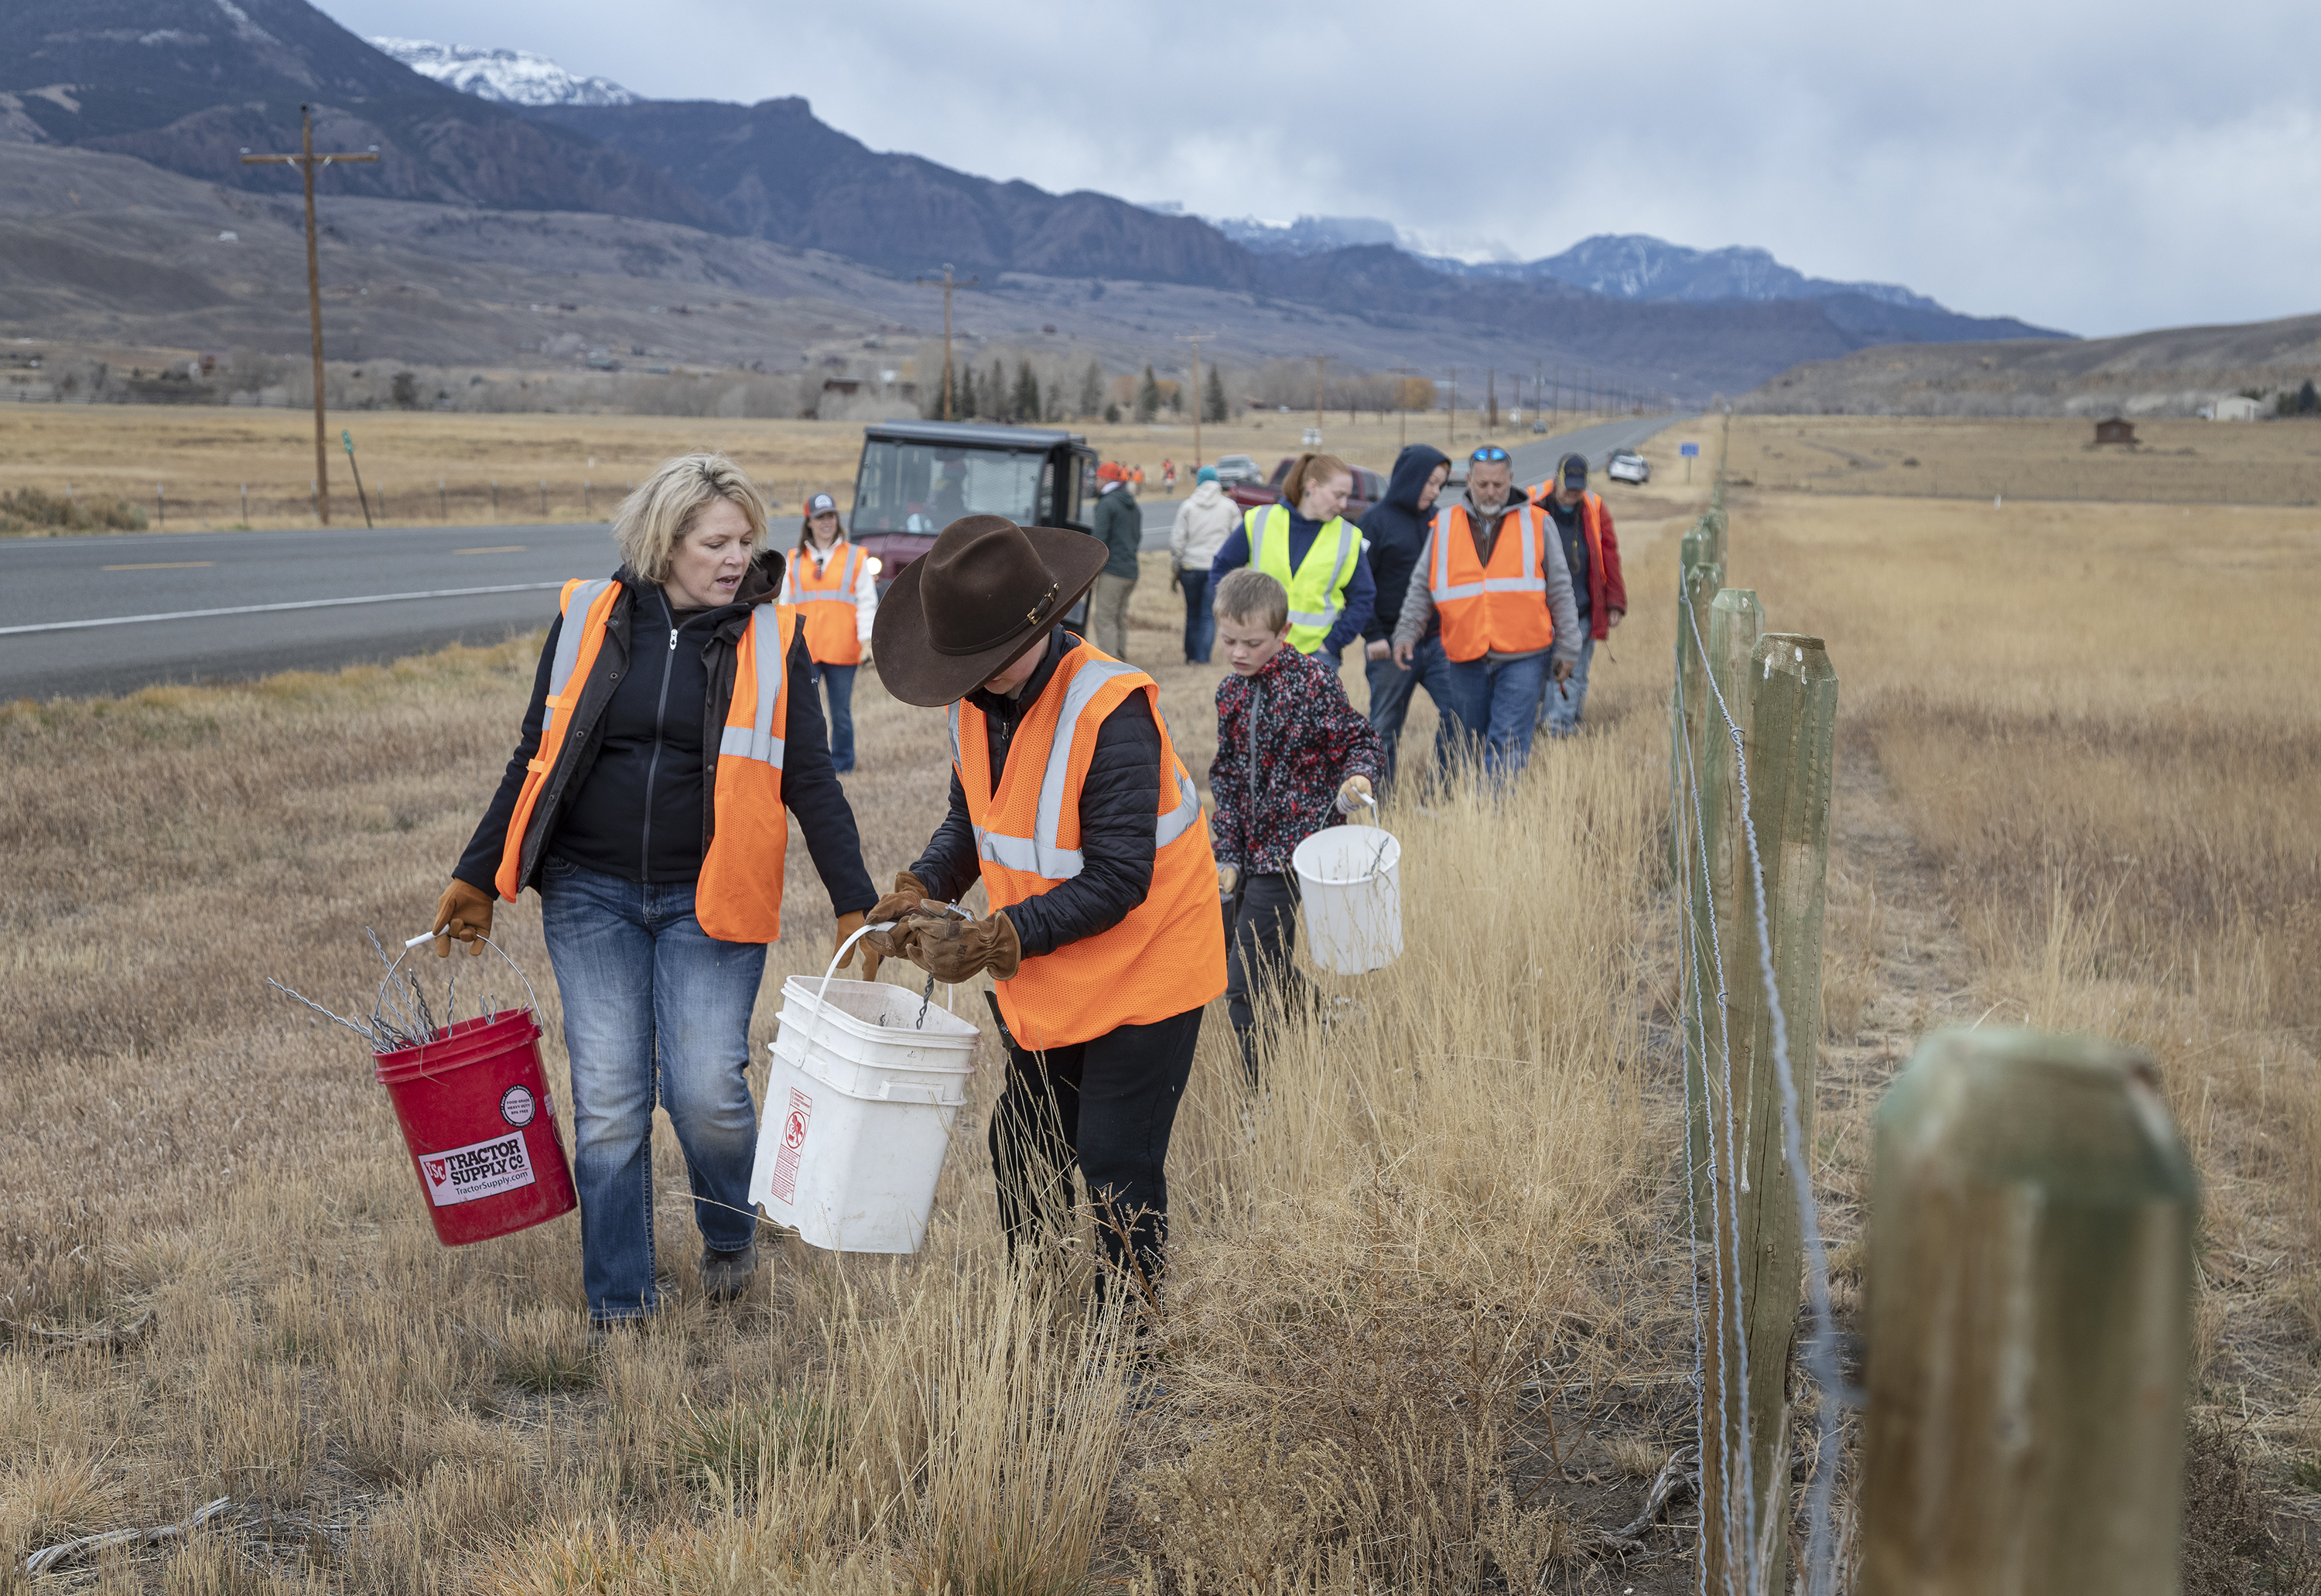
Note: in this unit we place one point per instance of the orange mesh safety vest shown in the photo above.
(1501, 607)
(737, 896)
(1168, 955)
(1591, 524)
(826, 603)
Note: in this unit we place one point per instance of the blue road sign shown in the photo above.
(1689, 451)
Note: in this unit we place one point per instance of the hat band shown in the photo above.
(1032, 617)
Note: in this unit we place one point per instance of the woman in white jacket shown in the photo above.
(835, 587)
(1202, 524)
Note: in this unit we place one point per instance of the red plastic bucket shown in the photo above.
(475, 1113)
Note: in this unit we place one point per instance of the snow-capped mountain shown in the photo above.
(514, 77)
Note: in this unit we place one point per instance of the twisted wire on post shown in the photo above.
(1725, 1217)
(1821, 1349)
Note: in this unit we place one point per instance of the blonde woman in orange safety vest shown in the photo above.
(834, 587)
(1069, 803)
(667, 733)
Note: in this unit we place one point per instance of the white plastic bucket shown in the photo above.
(1353, 898)
(858, 1109)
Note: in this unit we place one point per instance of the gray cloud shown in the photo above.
(2079, 164)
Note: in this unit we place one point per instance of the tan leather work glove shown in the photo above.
(463, 914)
(1350, 794)
(902, 902)
(958, 950)
(847, 925)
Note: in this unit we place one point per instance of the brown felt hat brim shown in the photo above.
(913, 670)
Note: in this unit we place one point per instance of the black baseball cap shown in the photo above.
(821, 504)
(1571, 470)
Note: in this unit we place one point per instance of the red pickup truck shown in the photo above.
(1369, 486)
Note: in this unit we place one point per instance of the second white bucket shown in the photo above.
(859, 1110)
(1353, 898)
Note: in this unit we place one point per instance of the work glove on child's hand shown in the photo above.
(463, 914)
(1352, 791)
(957, 950)
(1228, 878)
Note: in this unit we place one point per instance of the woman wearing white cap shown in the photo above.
(835, 587)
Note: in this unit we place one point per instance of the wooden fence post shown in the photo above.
(1783, 696)
(1699, 578)
(2029, 1322)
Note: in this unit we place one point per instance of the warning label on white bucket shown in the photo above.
(783, 1187)
(482, 1169)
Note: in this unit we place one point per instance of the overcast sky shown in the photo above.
(2082, 164)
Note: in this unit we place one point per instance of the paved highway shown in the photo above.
(110, 615)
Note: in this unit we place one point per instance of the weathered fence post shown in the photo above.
(2029, 1322)
(1782, 697)
(1699, 577)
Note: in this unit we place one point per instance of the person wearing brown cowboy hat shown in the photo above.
(1069, 802)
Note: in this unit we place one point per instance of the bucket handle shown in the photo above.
(839, 957)
(427, 936)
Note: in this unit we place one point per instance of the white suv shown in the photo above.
(1627, 466)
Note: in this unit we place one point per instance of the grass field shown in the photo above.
(201, 456)
(1429, 1328)
(2174, 462)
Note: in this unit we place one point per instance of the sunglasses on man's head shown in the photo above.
(1488, 455)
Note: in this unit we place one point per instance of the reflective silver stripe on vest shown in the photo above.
(842, 594)
(758, 740)
(569, 639)
(1327, 616)
(1038, 853)
(1440, 587)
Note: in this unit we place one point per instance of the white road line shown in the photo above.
(253, 609)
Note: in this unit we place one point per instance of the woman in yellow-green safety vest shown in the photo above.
(1305, 543)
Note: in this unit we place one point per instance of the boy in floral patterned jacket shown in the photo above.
(1293, 756)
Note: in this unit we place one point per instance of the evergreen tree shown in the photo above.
(1027, 392)
(1213, 397)
(1112, 414)
(963, 403)
(1147, 396)
(1091, 389)
(1177, 401)
(2307, 399)
(996, 398)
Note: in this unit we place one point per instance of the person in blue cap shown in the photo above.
(1204, 522)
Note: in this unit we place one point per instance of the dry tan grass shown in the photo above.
(202, 455)
(2186, 462)
(1435, 1224)
(2079, 750)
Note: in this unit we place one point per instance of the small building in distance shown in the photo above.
(2231, 407)
(2115, 431)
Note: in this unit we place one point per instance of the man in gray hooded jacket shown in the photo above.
(1498, 694)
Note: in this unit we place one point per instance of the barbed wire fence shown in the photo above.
(1751, 754)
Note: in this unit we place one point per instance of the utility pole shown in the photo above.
(1198, 400)
(306, 160)
(1320, 365)
(948, 283)
(1492, 403)
(1453, 411)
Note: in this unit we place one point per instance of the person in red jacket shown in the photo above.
(1584, 522)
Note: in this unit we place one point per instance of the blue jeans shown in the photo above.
(1200, 621)
(1559, 714)
(1390, 691)
(1499, 708)
(838, 681)
(654, 1010)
